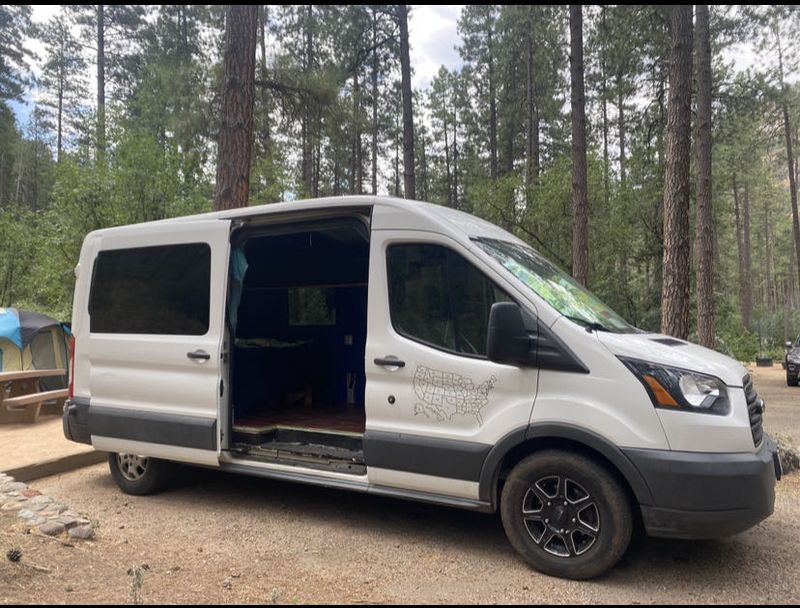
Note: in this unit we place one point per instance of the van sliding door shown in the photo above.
(156, 316)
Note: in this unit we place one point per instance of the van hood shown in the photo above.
(657, 348)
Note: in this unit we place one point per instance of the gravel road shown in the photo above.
(230, 539)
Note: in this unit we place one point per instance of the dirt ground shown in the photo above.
(217, 538)
(24, 444)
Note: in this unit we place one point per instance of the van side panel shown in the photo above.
(145, 390)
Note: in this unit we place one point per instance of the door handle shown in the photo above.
(199, 355)
(389, 362)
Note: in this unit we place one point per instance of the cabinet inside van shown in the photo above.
(298, 320)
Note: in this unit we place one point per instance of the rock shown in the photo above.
(12, 506)
(37, 521)
(26, 514)
(12, 486)
(67, 522)
(33, 506)
(788, 453)
(41, 499)
(52, 528)
(82, 533)
(30, 493)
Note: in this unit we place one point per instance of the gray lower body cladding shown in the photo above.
(701, 496)
(681, 494)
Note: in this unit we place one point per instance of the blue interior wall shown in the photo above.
(264, 377)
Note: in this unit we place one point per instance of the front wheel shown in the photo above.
(791, 379)
(140, 475)
(566, 515)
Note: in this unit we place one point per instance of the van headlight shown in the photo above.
(673, 388)
(793, 357)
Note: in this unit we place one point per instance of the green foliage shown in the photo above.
(14, 53)
(328, 81)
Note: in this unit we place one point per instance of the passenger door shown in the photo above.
(156, 320)
(435, 403)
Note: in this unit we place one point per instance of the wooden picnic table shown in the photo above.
(21, 397)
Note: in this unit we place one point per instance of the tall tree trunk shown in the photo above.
(306, 129)
(336, 187)
(739, 246)
(238, 92)
(317, 161)
(492, 108)
(101, 82)
(61, 84)
(357, 169)
(408, 115)
(532, 151)
(580, 196)
(675, 288)
(423, 166)
(704, 245)
(747, 317)
(374, 164)
(621, 130)
(769, 287)
(264, 136)
(604, 103)
(455, 158)
(447, 163)
(789, 156)
(397, 169)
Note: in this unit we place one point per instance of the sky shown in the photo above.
(432, 37)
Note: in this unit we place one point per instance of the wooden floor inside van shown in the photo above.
(339, 419)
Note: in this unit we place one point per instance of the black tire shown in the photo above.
(791, 379)
(584, 497)
(138, 475)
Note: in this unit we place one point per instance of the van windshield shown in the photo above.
(556, 287)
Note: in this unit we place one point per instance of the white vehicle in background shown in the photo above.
(409, 350)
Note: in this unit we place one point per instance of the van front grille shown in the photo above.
(755, 408)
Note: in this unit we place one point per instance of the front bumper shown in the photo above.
(705, 495)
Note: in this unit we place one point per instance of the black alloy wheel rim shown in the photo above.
(561, 516)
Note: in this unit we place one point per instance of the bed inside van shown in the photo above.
(298, 317)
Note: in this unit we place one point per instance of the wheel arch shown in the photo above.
(524, 441)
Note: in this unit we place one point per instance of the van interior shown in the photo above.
(298, 314)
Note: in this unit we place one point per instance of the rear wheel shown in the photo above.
(140, 475)
(566, 515)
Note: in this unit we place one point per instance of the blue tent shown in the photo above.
(29, 340)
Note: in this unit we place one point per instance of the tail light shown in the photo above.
(71, 368)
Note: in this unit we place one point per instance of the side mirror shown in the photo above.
(789, 345)
(507, 340)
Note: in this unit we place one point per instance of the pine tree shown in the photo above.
(675, 289)
(705, 216)
(63, 78)
(580, 195)
(238, 93)
(15, 22)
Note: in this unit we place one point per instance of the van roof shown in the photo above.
(411, 215)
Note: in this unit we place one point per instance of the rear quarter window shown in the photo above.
(152, 290)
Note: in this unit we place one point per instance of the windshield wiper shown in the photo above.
(589, 325)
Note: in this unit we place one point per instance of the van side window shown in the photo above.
(152, 290)
(439, 298)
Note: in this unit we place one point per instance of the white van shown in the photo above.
(409, 350)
